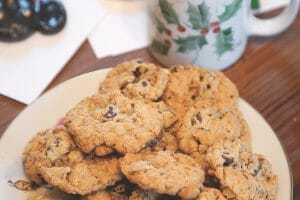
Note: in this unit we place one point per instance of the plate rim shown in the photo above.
(59, 85)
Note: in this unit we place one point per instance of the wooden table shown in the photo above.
(268, 77)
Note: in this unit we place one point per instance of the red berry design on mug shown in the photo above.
(216, 30)
(204, 31)
(168, 42)
(168, 32)
(215, 24)
(181, 28)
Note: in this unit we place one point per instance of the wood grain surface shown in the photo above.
(268, 77)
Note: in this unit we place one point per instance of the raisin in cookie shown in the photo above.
(46, 149)
(82, 175)
(188, 84)
(115, 121)
(137, 79)
(164, 172)
(208, 122)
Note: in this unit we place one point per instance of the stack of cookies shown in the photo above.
(149, 134)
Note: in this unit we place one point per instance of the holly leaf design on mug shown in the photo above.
(224, 41)
(168, 12)
(159, 25)
(190, 43)
(160, 47)
(198, 15)
(230, 10)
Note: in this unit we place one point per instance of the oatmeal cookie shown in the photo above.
(208, 122)
(137, 79)
(164, 172)
(236, 156)
(46, 149)
(84, 175)
(115, 121)
(188, 84)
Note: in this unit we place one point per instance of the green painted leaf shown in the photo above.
(159, 25)
(198, 15)
(160, 47)
(224, 41)
(190, 43)
(168, 12)
(255, 4)
(230, 10)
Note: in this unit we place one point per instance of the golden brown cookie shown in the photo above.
(83, 176)
(46, 149)
(115, 121)
(233, 160)
(137, 79)
(208, 122)
(164, 172)
(188, 84)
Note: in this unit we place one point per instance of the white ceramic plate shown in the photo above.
(45, 112)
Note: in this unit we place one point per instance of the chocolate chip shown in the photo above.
(137, 72)
(211, 181)
(110, 113)
(144, 84)
(208, 86)
(228, 160)
(201, 78)
(193, 97)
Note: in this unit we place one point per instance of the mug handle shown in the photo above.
(275, 25)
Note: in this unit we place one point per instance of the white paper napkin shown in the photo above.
(123, 29)
(27, 67)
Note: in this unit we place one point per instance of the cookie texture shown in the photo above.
(83, 176)
(115, 121)
(188, 84)
(50, 194)
(140, 194)
(164, 172)
(169, 115)
(210, 194)
(137, 79)
(104, 195)
(46, 149)
(208, 122)
(103, 150)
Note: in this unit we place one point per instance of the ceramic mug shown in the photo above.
(208, 33)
